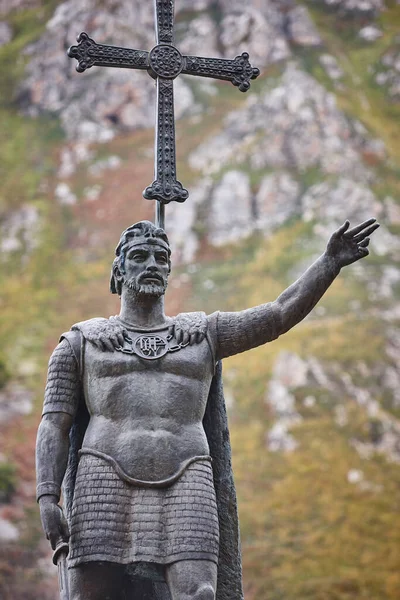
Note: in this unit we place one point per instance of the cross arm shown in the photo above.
(88, 54)
(238, 71)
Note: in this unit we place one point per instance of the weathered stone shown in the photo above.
(111, 162)
(5, 33)
(392, 210)
(8, 531)
(327, 202)
(71, 156)
(296, 125)
(277, 200)
(388, 244)
(6, 6)
(19, 230)
(388, 71)
(364, 8)
(15, 400)
(391, 381)
(301, 28)
(249, 29)
(331, 66)
(64, 195)
(182, 220)
(230, 217)
(199, 33)
(370, 33)
(93, 107)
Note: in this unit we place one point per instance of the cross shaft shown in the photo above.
(164, 63)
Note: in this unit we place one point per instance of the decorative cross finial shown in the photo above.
(164, 63)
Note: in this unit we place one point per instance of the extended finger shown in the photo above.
(200, 337)
(363, 251)
(364, 243)
(115, 341)
(354, 230)
(367, 232)
(121, 340)
(339, 232)
(102, 343)
(107, 345)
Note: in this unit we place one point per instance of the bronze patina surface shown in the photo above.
(135, 425)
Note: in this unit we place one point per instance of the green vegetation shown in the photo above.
(307, 532)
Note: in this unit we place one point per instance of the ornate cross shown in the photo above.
(164, 63)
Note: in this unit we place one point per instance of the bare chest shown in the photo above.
(151, 379)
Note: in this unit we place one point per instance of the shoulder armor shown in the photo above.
(74, 338)
(192, 322)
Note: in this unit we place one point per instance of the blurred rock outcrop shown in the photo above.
(96, 105)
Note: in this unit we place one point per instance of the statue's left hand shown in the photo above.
(346, 246)
(189, 328)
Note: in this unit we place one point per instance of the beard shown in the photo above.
(153, 289)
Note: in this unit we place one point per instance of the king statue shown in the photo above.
(134, 428)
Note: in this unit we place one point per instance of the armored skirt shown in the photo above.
(115, 521)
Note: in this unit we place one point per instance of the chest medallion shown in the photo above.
(151, 346)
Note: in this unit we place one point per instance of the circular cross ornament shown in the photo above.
(166, 61)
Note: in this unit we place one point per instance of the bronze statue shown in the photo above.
(134, 423)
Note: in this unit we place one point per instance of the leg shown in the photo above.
(192, 580)
(96, 581)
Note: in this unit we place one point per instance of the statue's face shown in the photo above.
(146, 270)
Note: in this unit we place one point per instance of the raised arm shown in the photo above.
(240, 331)
(52, 447)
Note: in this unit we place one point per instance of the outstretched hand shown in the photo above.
(346, 246)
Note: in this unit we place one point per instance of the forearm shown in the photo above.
(297, 301)
(52, 453)
(60, 405)
(237, 332)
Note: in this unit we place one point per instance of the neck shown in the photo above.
(142, 310)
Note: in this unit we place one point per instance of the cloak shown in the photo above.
(215, 422)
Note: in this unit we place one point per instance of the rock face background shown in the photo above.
(315, 416)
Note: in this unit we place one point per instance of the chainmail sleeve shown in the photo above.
(236, 332)
(63, 383)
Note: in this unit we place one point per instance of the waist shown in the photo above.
(140, 482)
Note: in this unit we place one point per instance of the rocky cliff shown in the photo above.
(315, 416)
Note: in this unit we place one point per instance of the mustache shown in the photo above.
(151, 275)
